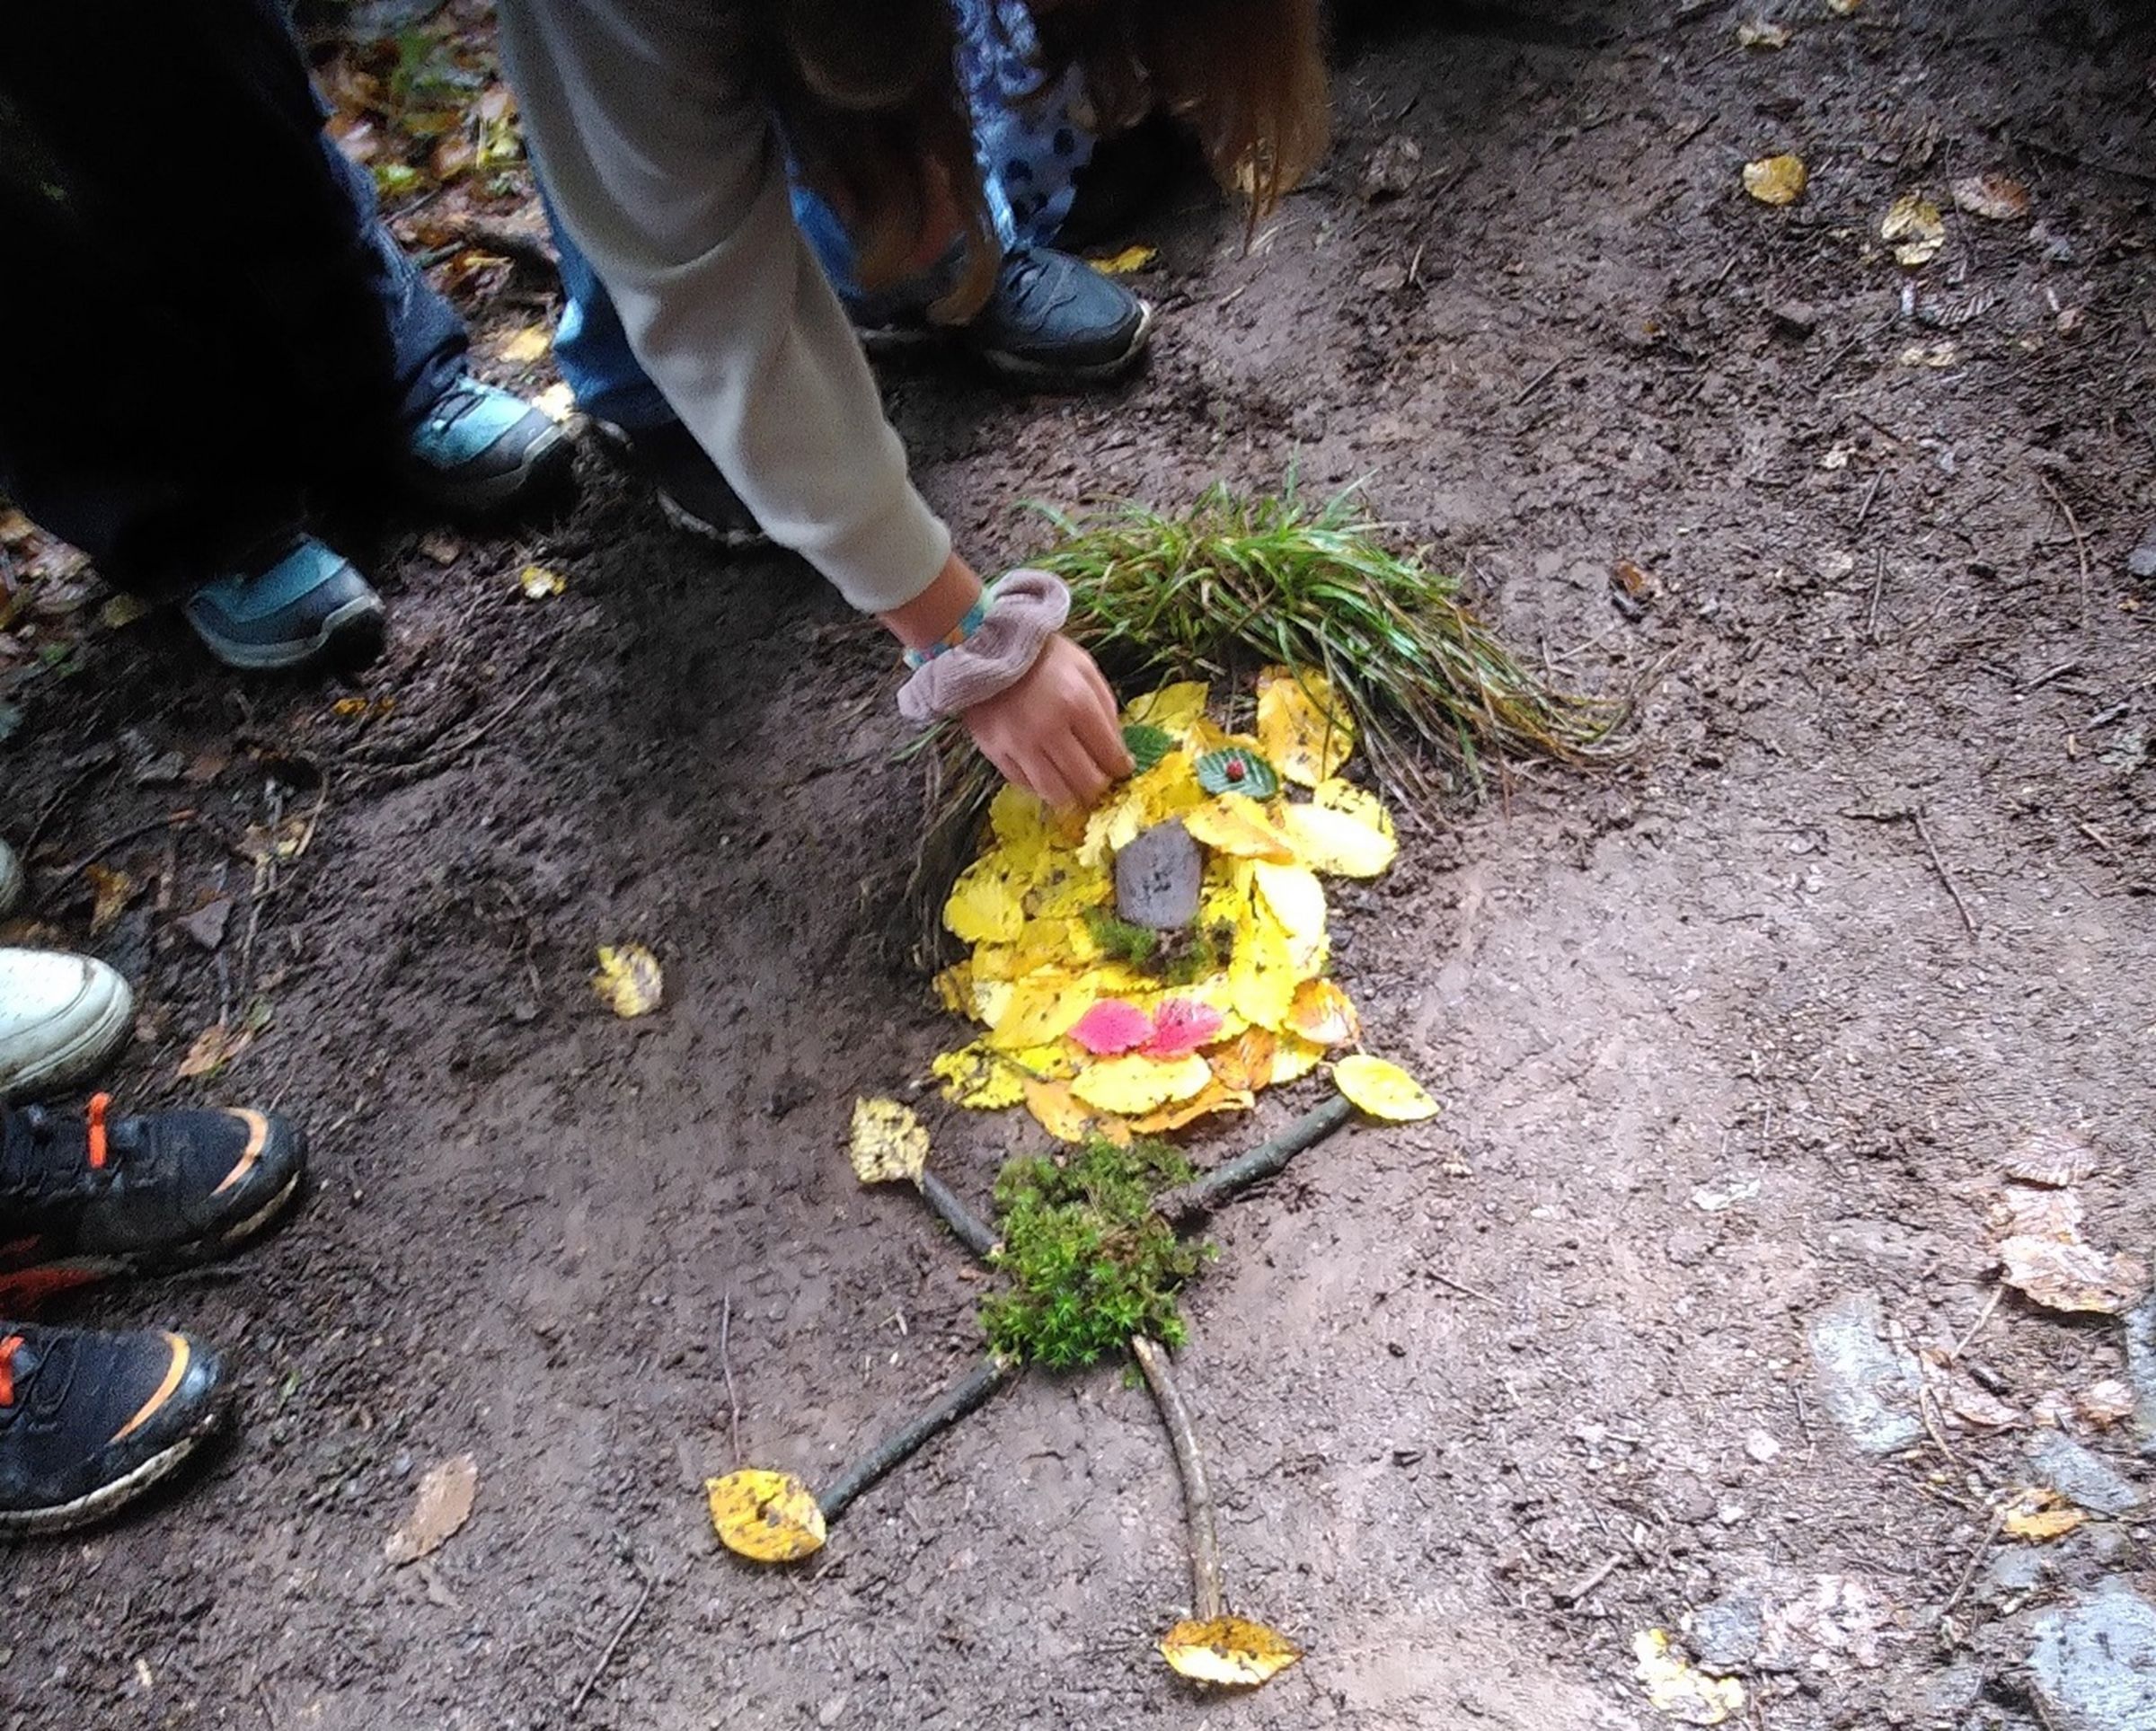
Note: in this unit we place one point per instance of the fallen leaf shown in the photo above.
(1236, 825)
(1979, 1407)
(1842, 8)
(1673, 1687)
(1235, 768)
(1130, 260)
(539, 583)
(1229, 1651)
(1337, 843)
(1246, 1062)
(1776, 180)
(1915, 230)
(1136, 1084)
(524, 346)
(1995, 197)
(2063, 1274)
(986, 905)
(1322, 1014)
(215, 1048)
(1359, 803)
(1181, 1025)
(1146, 745)
(1043, 1007)
(2051, 1158)
(441, 1507)
(1210, 1099)
(1295, 1057)
(557, 402)
(1383, 1090)
(1173, 707)
(1632, 577)
(1111, 1028)
(1063, 1116)
(979, 1079)
(1262, 974)
(627, 979)
(768, 1517)
(441, 548)
(120, 611)
(1754, 35)
(1295, 899)
(2024, 1212)
(1937, 356)
(2039, 1513)
(1304, 728)
(887, 1143)
(2103, 1404)
(112, 891)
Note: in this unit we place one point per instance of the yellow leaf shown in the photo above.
(768, 1517)
(1914, 228)
(887, 1143)
(1359, 803)
(975, 1077)
(1064, 886)
(1130, 259)
(1021, 823)
(1752, 34)
(121, 610)
(114, 890)
(557, 402)
(1168, 790)
(1172, 707)
(1322, 1014)
(1235, 824)
(1383, 1090)
(1776, 180)
(1334, 842)
(1246, 1062)
(1842, 8)
(985, 904)
(1210, 1099)
(1304, 728)
(627, 979)
(991, 998)
(1227, 1650)
(1262, 975)
(954, 988)
(2039, 1515)
(1043, 1007)
(1135, 1083)
(1295, 1057)
(540, 584)
(524, 346)
(1296, 899)
(1058, 1061)
(1058, 1111)
(1676, 1688)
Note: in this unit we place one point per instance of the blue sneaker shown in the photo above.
(296, 602)
(481, 449)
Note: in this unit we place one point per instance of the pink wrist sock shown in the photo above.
(1025, 609)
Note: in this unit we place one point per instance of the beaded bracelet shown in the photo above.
(976, 615)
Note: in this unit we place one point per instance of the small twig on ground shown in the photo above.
(967, 1227)
(1924, 832)
(2080, 541)
(1870, 493)
(1537, 382)
(1927, 1406)
(171, 820)
(1208, 1598)
(1879, 583)
(1976, 1327)
(962, 1399)
(1588, 1582)
(1461, 1286)
(1983, 1548)
(606, 1653)
(726, 1369)
(1202, 1195)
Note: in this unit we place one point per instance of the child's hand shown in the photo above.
(1055, 732)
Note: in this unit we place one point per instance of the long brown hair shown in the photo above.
(867, 96)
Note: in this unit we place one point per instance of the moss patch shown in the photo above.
(1090, 1263)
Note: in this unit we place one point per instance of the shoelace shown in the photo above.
(27, 1169)
(454, 404)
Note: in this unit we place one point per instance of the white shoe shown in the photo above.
(11, 879)
(61, 1018)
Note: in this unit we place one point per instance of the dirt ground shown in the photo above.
(1724, 1044)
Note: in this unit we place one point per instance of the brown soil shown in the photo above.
(1484, 1397)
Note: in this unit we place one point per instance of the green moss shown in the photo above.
(1171, 958)
(1090, 1263)
(1119, 939)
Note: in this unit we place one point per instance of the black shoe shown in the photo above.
(91, 1421)
(693, 495)
(84, 1197)
(1055, 320)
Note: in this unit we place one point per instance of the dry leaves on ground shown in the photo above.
(1231, 1652)
(1776, 180)
(768, 1517)
(627, 979)
(441, 1507)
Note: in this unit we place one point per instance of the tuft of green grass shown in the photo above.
(1090, 1263)
(1239, 582)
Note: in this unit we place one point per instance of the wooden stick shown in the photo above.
(1923, 831)
(2080, 541)
(962, 1398)
(967, 1227)
(607, 1657)
(1208, 1598)
(1204, 1193)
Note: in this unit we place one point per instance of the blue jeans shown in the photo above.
(1029, 150)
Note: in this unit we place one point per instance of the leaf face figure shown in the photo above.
(767, 1518)
(1229, 1652)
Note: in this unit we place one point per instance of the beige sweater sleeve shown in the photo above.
(668, 172)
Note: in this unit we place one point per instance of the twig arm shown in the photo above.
(1208, 1598)
(1205, 1193)
(962, 1398)
(967, 1227)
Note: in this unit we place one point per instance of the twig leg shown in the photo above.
(1208, 1599)
(962, 1399)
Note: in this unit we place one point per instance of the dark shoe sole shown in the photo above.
(354, 635)
(546, 462)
